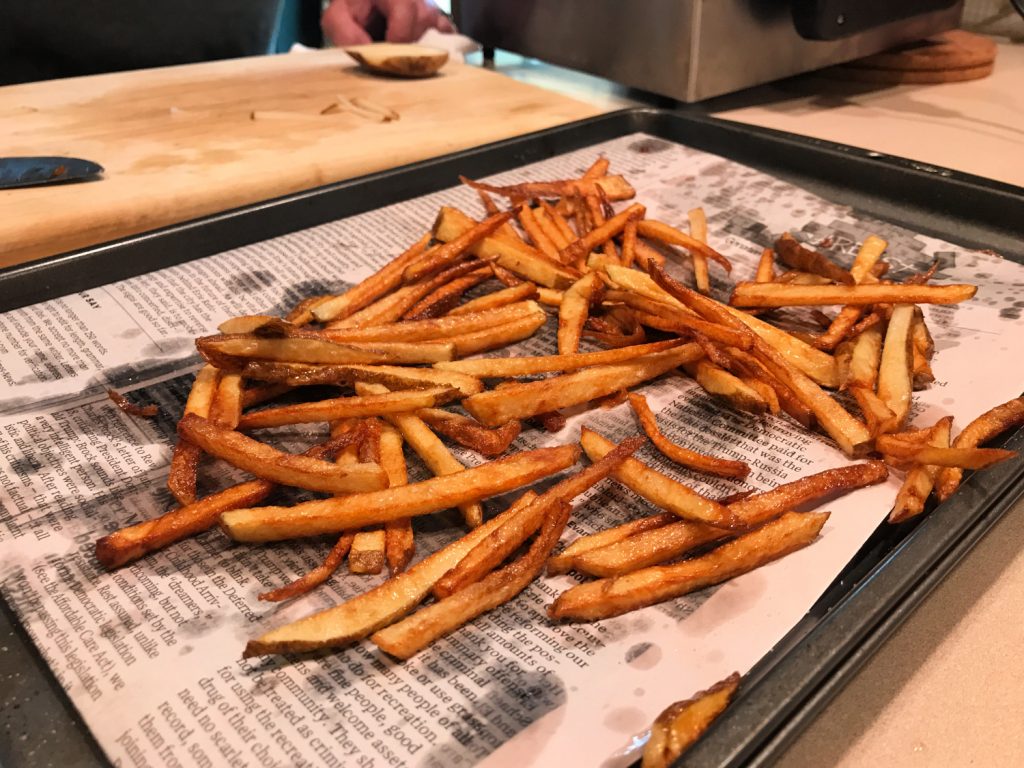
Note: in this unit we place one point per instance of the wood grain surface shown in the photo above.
(183, 142)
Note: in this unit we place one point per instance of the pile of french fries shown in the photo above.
(400, 352)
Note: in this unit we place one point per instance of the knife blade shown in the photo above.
(33, 171)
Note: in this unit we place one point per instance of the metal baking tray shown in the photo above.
(889, 577)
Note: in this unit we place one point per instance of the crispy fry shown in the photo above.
(721, 383)
(563, 562)
(557, 237)
(659, 489)
(493, 550)
(796, 256)
(434, 329)
(867, 256)
(318, 351)
(181, 477)
(920, 478)
(394, 377)
(334, 515)
(499, 336)
(399, 541)
(679, 726)
(572, 314)
(865, 356)
(615, 187)
(470, 433)
(780, 295)
(657, 230)
(522, 292)
(536, 232)
(410, 635)
(386, 279)
(895, 371)
(699, 232)
(366, 554)
(127, 406)
(270, 464)
(442, 256)
(683, 456)
(598, 168)
(765, 267)
(987, 426)
(428, 447)
(577, 250)
(360, 616)
(519, 401)
(349, 407)
(445, 297)
(314, 578)
(876, 413)
(611, 597)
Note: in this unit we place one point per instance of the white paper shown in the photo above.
(150, 654)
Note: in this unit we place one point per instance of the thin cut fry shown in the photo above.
(765, 267)
(127, 406)
(578, 250)
(678, 454)
(989, 424)
(399, 541)
(469, 432)
(918, 483)
(611, 597)
(614, 187)
(536, 232)
(699, 232)
(181, 477)
(895, 371)
(781, 295)
(563, 562)
(349, 407)
(573, 312)
(657, 230)
(444, 255)
(679, 726)
(524, 291)
(320, 351)
(796, 256)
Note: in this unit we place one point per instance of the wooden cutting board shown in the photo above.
(183, 142)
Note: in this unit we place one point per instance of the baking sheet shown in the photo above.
(648, 148)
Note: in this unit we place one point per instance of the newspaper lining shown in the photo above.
(149, 654)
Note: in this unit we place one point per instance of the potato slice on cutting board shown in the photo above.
(402, 59)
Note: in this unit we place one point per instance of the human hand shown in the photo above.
(345, 21)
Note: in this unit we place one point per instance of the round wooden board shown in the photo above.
(950, 57)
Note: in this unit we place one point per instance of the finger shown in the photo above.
(402, 22)
(340, 27)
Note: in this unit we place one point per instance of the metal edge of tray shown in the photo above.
(895, 190)
(865, 180)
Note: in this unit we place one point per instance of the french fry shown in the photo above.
(765, 267)
(895, 372)
(920, 478)
(699, 232)
(470, 433)
(577, 250)
(558, 220)
(962, 458)
(868, 254)
(598, 168)
(614, 187)
(678, 727)
(399, 540)
(572, 314)
(386, 279)
(563, 561)
(366, 554)
(514, 255)
(604, 598)
(349, 407)
(865, 356)
(362, 615)
(445, 297)
(987, 426)
(314, 578)
(440, 328)
(780, 295)
(536, 232)
(428, 447)
(524, 291)
(721, 383)
(520, 401)
(680, 455)
(852, 437)
(796, 256)
(181, 476)
(391, 376)
(493, 550)
(659, 489)
(443, 256)
(334, 515)
(320, 351)
(876, 413)
(499, 336)
(556, 235)
(127, 406)
(270, 464)
(657, 230)
(257, 394)
(408, 636)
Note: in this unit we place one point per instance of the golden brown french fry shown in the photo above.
(699, 232)
(865, 356)
(920, 478)
(563, 561)
(614, 188)
(876, 413)
(765, 267)
(721, 383)
(514, 255)
(963, 458)
(404, 638)
(334, 515)
(598, 168)
(428, 447)
(678, 727)
(500, 335)
(536, 232)
(399, 541)
(386, 279)
(439, 328)
(659, 489)
(520, 401)
(577, 250)
(445, 297)
(796, 256)
(391, 376)
(181, 476)
(321, 351)
(493, 550)
(988, 425)
(366, 554)
(470, 433)
(852, 437)
(657, 230)
(510, 367)
(442, 256)
(314, 578)
(551, 229)
(271, 464)
(868, 254)
(361, 615)
(573, 312)
(680, 455)
(524, 291)
(781, 295)
(895, 371)
(604, 598)
(349, 407)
